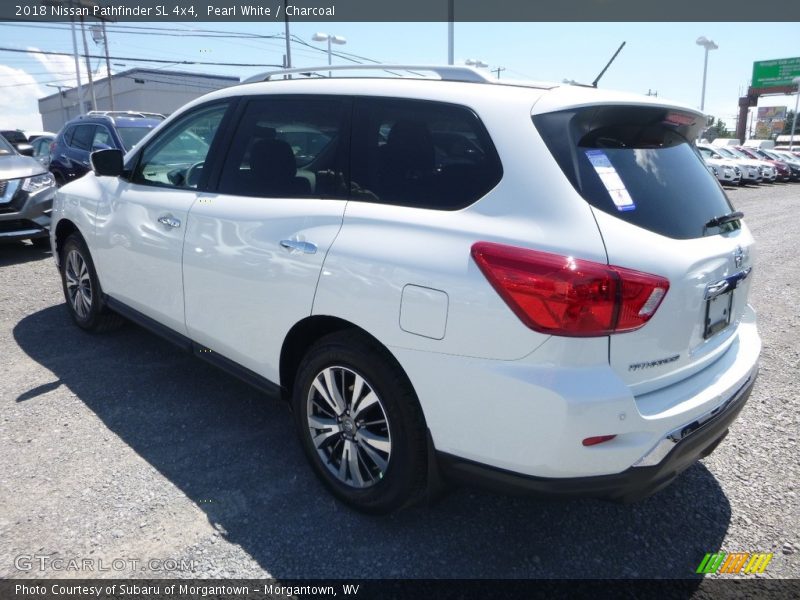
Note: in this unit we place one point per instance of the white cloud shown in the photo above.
(19, 108)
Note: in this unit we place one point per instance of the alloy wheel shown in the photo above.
(349, 427)
(79, 284)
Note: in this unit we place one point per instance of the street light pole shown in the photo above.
(475, 62)
(330, 38)
(795, 81)
(708, 45)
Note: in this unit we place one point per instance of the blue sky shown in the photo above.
(661, 57)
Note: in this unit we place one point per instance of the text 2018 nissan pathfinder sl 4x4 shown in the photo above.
(529, 284)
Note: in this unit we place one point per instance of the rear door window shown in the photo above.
(289, 147)
(421, 153)
(638, 164)
(82, 137)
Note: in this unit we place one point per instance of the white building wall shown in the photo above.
(137, 89)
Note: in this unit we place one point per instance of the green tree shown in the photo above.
(787, 126)
(717, 129)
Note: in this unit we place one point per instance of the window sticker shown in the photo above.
(611, 179)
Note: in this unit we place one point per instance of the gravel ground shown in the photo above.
(119, 446)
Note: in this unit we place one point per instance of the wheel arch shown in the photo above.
(305, 333)
(64, 229)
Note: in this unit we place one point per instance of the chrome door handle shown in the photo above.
(304, 247)
(169, 221)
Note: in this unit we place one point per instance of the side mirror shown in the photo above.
(107, 162)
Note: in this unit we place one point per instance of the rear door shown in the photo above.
(656, 204)
(255, 246)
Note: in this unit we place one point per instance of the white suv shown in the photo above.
(449, 278)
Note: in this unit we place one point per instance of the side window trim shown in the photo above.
(134, 165)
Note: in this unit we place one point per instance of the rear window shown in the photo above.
(637, 164)
(15, 137)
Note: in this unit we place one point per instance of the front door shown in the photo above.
(141, 221)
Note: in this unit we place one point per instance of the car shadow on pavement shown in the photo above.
(15, 253)
(234, 453)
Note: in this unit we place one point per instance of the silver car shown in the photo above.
(26, 197)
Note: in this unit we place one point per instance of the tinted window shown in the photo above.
(41, 147)
(132, 135)
(66, 137)
(169, 161)
(15, 137)
(419, 153)
(102, 137)
(5, 147)
(288, 148)
(637, 164)
(82, 137)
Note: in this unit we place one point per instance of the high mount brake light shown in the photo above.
(562, 295)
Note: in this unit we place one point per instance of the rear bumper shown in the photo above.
(685, 446)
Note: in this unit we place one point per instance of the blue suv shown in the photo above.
(69, 156)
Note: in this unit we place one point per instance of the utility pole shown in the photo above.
(497, 70)
(450, 32)
(77, 62)
(88, 67)
(652, 92)
(98, 34)
(108, 66)
(288, 41)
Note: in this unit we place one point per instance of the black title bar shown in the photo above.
(403, 10)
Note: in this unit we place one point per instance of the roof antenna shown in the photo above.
(603, 72)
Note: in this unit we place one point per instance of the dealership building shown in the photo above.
(149, 90)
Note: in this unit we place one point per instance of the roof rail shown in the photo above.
(124, 113)
(445, 73)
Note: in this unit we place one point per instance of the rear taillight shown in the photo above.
(561, 295)
(52, 147)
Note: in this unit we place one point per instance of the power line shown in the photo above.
(132, 59)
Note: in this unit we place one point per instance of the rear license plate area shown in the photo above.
(718, 313)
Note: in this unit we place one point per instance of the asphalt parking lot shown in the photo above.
(119, 446)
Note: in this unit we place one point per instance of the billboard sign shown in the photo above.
(770, 121)
(774, 73)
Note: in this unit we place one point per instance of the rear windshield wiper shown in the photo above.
(723, 220)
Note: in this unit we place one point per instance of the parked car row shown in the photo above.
(747, 164)
(33, 164)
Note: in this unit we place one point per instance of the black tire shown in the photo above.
(82, 289)
(402, 479)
